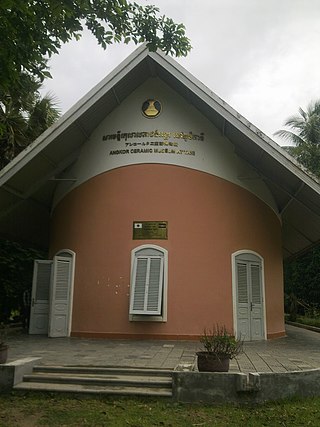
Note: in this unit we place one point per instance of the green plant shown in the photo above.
(309, 321)
(220, 342)
(313, 311)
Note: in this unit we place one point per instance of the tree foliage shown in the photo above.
(24, 115)
(306, 126)
(308, 155)
(304, 133)
(33, 30)
(302, 276)
(16, 267)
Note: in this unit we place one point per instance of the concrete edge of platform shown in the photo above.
(12, 373)
(303, 326)
(220, 388)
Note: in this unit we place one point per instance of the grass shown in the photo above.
(46, 409)
(311, 321)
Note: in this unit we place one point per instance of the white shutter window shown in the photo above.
(256, 284)
(155, 285)
(242, 283)
(63, 269)
(147, 284)
(140, 285)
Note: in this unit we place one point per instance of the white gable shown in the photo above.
(179, 136)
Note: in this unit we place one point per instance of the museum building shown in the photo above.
(164, 211)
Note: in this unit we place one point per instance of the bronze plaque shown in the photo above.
(150, 230)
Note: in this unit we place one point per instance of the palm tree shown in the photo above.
(44, 113)
(306, 126)
(305, 136)
(24, 115)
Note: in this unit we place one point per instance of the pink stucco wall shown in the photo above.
(208, 220)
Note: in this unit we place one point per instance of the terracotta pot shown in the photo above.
(3, 353)
(210, 362)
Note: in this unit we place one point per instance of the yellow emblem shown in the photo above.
(151, 108)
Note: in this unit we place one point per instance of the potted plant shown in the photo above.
(219, 346)
(3, 345)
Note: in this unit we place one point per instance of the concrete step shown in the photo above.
(107, 380)
(90, 389)
(99, 379)
(109, 370)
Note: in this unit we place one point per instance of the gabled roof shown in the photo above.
(27, 184)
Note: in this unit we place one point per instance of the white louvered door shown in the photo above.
(243, 306)
(39, 312)
(257, 323)
(250, 321)
(60, 297)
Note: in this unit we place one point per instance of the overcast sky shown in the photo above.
(260, 56)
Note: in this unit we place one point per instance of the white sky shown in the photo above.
(260, 56)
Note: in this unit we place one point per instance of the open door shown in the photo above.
(61, 297)
(39, 312)
(52, 293)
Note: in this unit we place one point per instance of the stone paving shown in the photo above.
(299, 350)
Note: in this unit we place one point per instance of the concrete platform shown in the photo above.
(298, 351)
